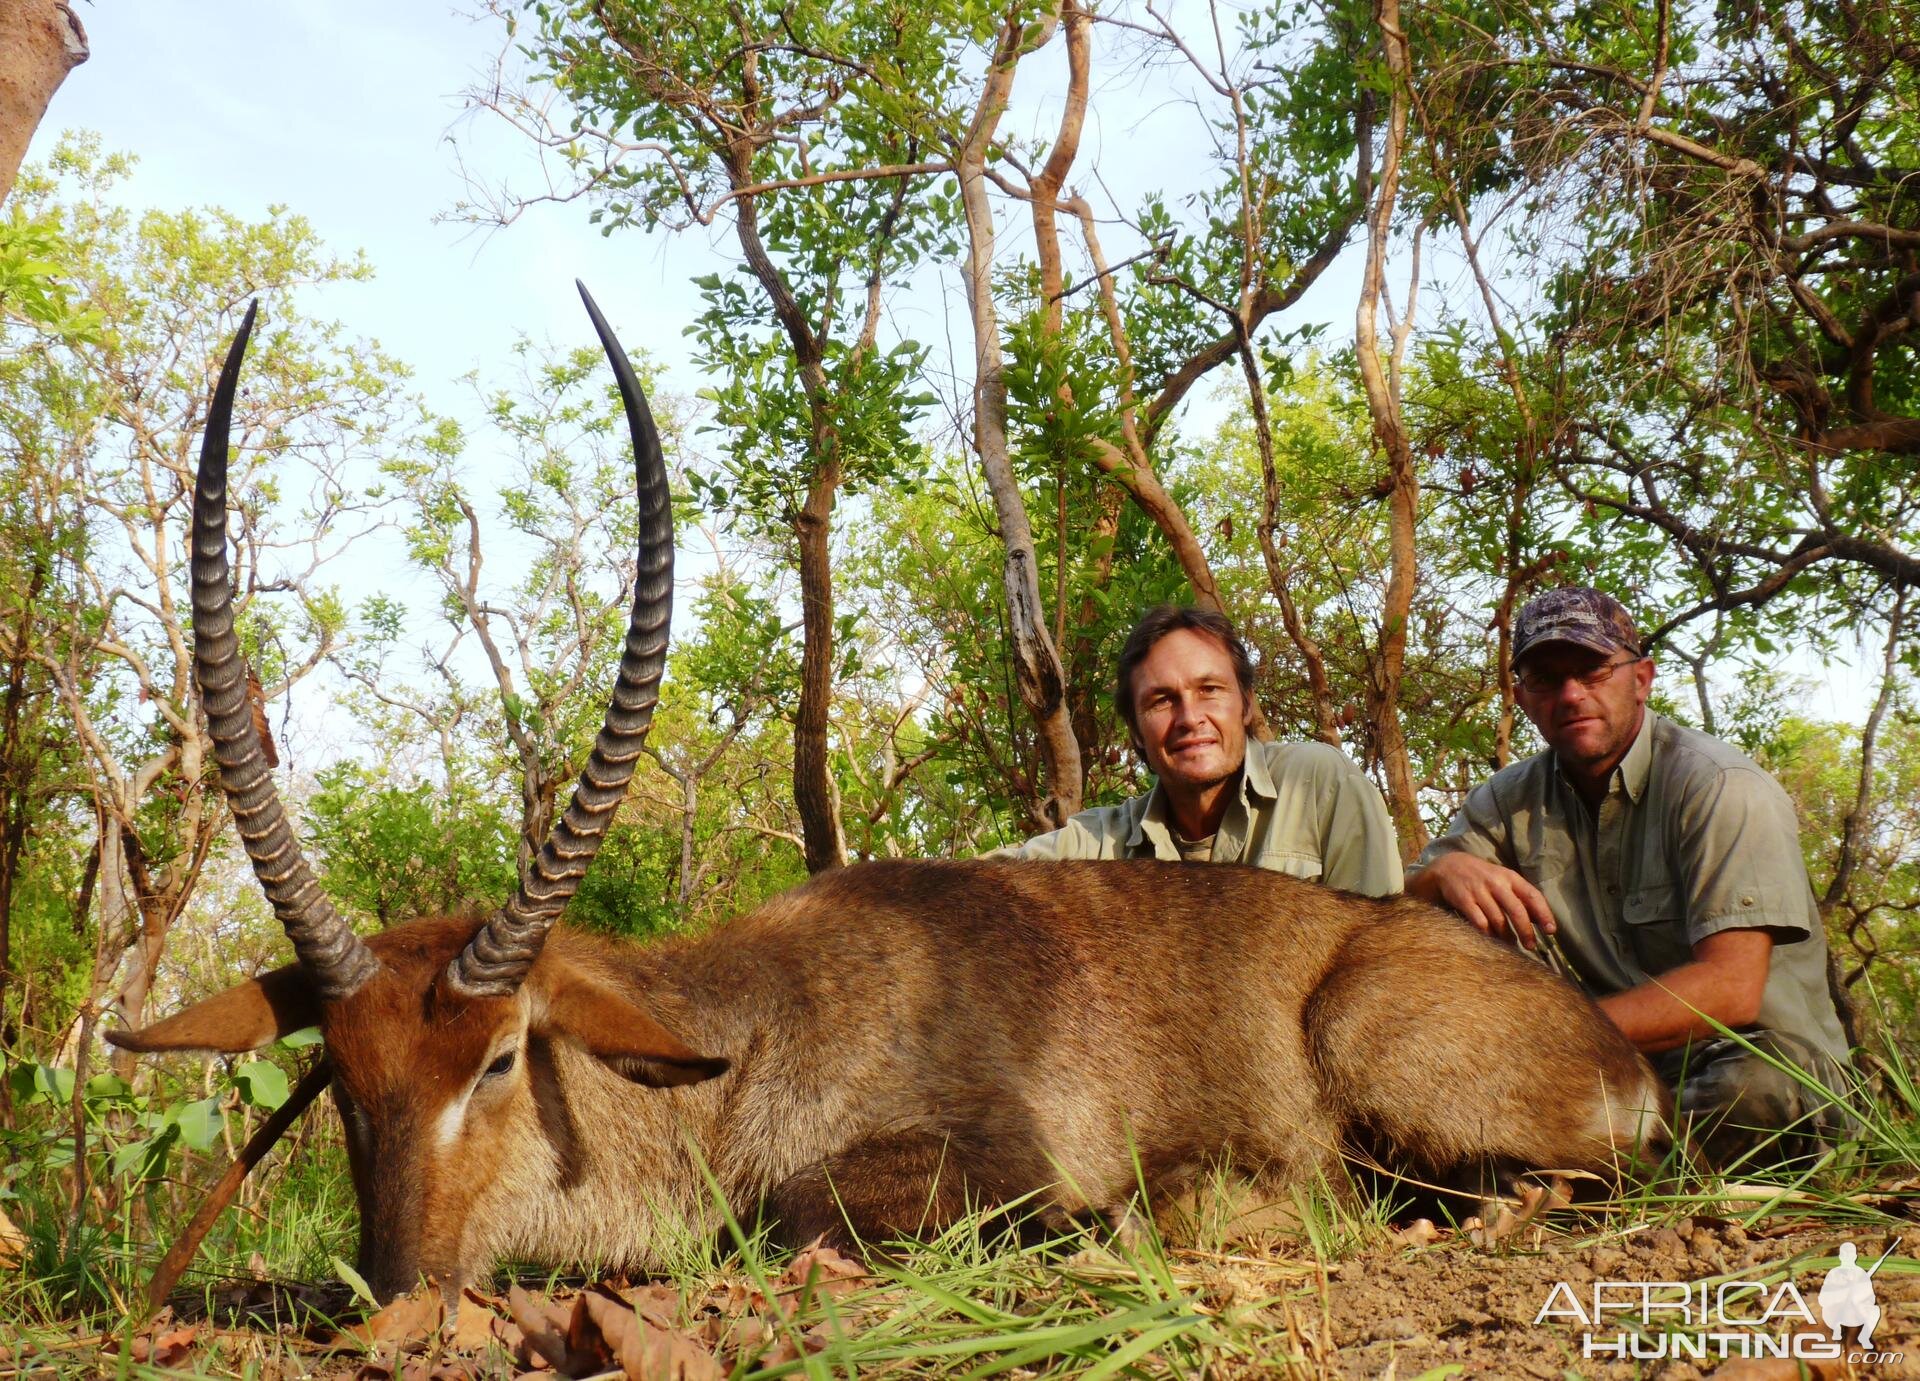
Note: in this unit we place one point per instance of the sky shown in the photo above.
(351, 113)
(342, 112)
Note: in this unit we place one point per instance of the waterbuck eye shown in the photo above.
(500, 1065)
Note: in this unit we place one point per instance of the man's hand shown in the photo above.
(1497, 900)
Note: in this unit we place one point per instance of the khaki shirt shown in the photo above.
(1301, 808)
(1692, 838)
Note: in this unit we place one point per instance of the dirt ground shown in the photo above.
(1402, 1314)
(1428, 1306)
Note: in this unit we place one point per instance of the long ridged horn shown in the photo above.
(333, 956)
(498, 957)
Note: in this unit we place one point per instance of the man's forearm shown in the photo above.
(1671, 1009)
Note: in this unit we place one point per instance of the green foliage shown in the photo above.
(798, 384)
(927, 571)
(102, 382)
(139, 1144)
(1875, 923)
(34, 276)
(724, 725)
(1712, 381)
(551, 637)
(396, 852)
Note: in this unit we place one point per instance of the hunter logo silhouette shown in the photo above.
(1846, 1295)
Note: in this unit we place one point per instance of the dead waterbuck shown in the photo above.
(878, 1049)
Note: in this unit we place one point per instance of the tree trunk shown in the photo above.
(1853, 842)
(43, 42)
(1403, 493)
(155, 905)
(814, 795)
(18, 770)
(1279, 574)
(1089, 685)
(1036, 660)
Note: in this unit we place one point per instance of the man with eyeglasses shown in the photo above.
(1661, 868)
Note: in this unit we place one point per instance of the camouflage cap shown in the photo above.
(1575, 614)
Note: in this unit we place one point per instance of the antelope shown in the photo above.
(882, 1050)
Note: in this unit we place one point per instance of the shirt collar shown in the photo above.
(1150, 822)
(1636, 767)
(1254, 776)
(1150, 828)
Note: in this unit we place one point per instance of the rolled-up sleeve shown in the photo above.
(1477, 828)
(1740, 865)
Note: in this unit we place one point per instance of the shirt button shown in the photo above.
(1613, 889)
(1746, 901)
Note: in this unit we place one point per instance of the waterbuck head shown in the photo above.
(434, 1030)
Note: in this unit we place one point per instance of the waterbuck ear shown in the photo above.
(256, 1013)
(622, 1034)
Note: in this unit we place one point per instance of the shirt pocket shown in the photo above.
(1656, 924)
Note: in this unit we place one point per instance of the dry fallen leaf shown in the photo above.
(410, 1318)
(1534, 1200)
(13, 1242)
(420, 1369)
(657, 1304)
(1419, 1233)
(745, 1336)
(644, 1350)
(477, 1327)
(815, 1274)
(788, 1348)
(552, 1334)
(588, 1348)
(163, 1349)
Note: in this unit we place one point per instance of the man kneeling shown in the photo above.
(1667, 864)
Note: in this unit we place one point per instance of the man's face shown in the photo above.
(1190, 715)
(1588, 726)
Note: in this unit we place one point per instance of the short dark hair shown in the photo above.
(1154, 625)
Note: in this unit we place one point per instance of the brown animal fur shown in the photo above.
(900, 1040)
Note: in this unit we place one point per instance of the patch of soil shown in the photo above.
(1399, 1313)
(1435, 1303)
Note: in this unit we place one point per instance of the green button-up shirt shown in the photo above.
(1692, 838)
(1300, 808)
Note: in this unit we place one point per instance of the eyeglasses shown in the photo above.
(1534, 683)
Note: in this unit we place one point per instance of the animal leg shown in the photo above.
(882, 1189)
